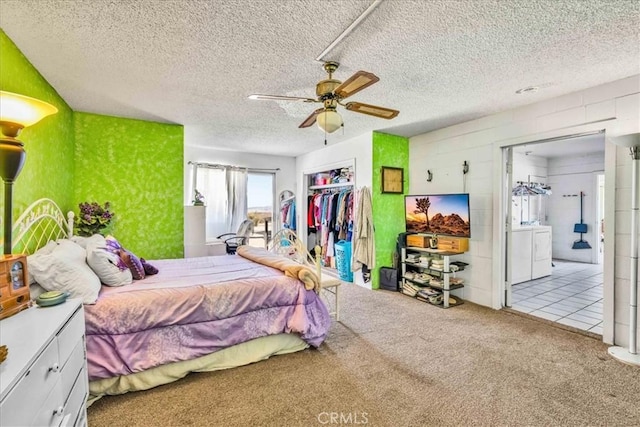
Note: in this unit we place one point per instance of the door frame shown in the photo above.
(499, 207)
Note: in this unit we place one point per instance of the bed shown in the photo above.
(196, 314)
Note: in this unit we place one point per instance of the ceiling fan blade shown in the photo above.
(311, 119)
(280, 98)
(372, 110)
(355, 84)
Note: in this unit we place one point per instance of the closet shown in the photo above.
(330, 213)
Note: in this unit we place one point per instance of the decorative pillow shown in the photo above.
(134, 264)
(126, 258)
(116, 248)
(148, 268)
(105, 264)
(65, 269)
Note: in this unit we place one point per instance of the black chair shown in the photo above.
(241, 237)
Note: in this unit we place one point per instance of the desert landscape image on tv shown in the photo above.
(446, 214)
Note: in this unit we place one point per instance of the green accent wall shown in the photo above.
(137, 167)
(49, 166)
(74, 157)
(388, 209)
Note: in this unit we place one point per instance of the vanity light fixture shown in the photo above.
(16, 112)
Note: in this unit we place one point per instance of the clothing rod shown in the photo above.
(220, 166)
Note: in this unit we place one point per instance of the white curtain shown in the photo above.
(225, 198)
(236, 198)
(211, 183)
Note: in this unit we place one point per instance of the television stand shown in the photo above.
(429, 275)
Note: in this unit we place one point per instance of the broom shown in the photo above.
(580, 228)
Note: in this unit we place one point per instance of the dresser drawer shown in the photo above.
(70, 335)
(72, 368)
(32, 389)
(51, 412)
(75, 405)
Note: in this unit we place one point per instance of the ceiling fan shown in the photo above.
(330, 92)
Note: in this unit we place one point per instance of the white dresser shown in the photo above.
(43, 381)
(194, 231)
(195, 244)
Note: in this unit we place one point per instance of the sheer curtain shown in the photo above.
(212, 183)
(225, 198)
(236, 197)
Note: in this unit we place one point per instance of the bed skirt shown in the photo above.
(238, 355)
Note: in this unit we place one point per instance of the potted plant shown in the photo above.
(94, 218)
(198, 199)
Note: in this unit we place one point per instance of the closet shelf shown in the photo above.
(337, 185)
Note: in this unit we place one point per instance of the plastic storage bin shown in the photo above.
(343, 260)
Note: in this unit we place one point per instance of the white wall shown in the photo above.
(568, 176)
(285, 177)
(614, 107)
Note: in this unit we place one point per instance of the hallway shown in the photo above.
(572, 296)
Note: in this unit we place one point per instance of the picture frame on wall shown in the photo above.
(392, 180)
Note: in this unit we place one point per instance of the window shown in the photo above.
(233, 194)
(260, 191)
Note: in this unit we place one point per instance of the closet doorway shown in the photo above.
(556, 189)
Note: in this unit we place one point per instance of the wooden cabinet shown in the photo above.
(14, 285)
(44, 378)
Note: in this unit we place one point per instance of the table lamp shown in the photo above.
(16, 112)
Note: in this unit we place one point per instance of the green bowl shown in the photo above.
(50, 298)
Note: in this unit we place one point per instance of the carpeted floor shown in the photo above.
(395, 361)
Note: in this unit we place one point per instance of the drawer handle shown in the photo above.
(59, 411)
(54, 368)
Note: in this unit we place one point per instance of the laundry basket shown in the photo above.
(343, 260)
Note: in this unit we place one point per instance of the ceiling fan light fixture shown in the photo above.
(329, 121)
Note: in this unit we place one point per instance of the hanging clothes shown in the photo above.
(363, 238)
(288, 214)
(330, 217)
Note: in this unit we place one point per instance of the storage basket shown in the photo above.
(343, 260)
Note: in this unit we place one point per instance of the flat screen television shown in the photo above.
(440, 214)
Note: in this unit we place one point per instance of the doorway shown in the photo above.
(550, 275)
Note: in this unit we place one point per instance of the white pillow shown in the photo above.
(45, 250)
(105, 264)
(86, 241)
(65, 269)
(35, 290)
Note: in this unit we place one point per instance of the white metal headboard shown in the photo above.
(286, 243)
(40, 223)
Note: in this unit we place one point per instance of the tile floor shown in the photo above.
(572, 296)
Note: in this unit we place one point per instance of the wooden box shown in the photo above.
(14, 285)
(453, 244)
(418, 240)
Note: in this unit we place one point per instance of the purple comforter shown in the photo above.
(193, 307)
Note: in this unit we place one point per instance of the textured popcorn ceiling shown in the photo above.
(439, 62)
